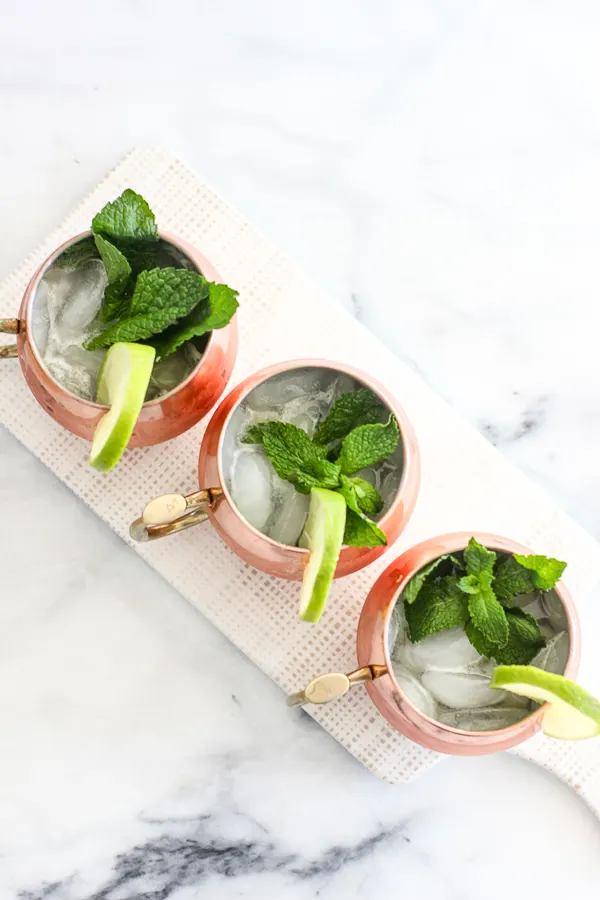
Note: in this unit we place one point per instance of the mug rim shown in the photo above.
(453, 542)
(169, 238)
(343, 368)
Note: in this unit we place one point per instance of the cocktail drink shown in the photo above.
(66, 316)
(130, 319)
(280, 453)
(303, 398)
(446, 673)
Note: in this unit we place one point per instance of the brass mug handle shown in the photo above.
(9, 326)
(333, 685)
(172, 513)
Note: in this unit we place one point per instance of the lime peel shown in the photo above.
(122, 384)
(323, 536)
(572, 714)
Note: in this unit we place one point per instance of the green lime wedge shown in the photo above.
(323, 535)
(122, 385)
(573, 714)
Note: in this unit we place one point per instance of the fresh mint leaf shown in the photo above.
(77, 254)
(478, 559)
(488, 616)
(524, 641)
(127, 219)
(118, 271)
(294, 456)
(368, 497)
(440, 605)
(412, 589)
(216, 311)
(367, 445)
(160, 297)
(510, 579)
(546, 571)
(360, 531)
(470, 584)
(355, 408)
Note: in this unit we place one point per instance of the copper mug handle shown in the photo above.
(172, 513)
(325, 688)
(9, 326)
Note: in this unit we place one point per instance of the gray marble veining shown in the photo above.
(435, 166)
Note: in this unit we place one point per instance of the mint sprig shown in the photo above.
(309, 463)
(212, 313)
(355, 408)
(118, 272)
(488, 588)
(126, 220)
(160, 297)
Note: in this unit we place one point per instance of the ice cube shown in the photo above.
(251, 486)
(75, 298)
(461, 690)
(169, 372)
(280, 389)
(555, 611)
(290, 510)
(486, 718)
(418, 695)
(343, 384)
(449, 650)
(397, 627)
(553, 657)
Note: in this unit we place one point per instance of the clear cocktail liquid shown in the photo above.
(302, 397)
(447, 679)
(65, 314)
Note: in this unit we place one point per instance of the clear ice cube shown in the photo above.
(171, 371)
(449, 650)
(290, 510)
(397, 627)
(486, 718)
(461, 690)
(418, 695)
(282, 388)
(555, 611)
(251, 486)
(553, 657)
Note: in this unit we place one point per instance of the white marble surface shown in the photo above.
(435, 164)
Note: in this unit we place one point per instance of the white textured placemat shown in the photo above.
(467, 485)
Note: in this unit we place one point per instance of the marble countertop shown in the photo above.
(435, 165)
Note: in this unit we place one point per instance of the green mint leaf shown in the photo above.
(546, 571)
(77, 254)
(118, 271)
(524, 641)
(488, 616)
(510, 579)
(294, 456)
(367, 445)
(160, 297)
(126, 219)
(478, 559)
(368, 497)
(216, 311)
(361, 407)
(470, 584)
(360, 531)
(315, 473)
(440, 605)
(412, 589)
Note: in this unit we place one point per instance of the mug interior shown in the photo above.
(406, 674)
(300, 394)
(37, 317)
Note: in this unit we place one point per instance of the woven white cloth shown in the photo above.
(466, 484)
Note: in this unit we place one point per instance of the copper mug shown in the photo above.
(375, 669)
(174, 512)
(160, 419)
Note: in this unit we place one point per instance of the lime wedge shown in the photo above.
(573, 714)
(122, 385)
(323, 535)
